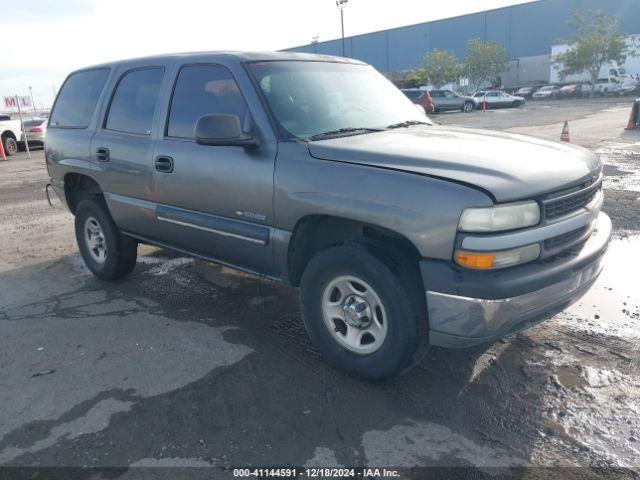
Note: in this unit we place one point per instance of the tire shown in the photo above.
(517, 104)
(468, 107)
(114, 255)
(10, 146)
(392, 283)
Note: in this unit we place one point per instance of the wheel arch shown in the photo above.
(317, 232)
(78, 187)
(8, 134)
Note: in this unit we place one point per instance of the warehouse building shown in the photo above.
(527, 31)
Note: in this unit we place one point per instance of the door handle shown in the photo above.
(164, 164)
(102, 154)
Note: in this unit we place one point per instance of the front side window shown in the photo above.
(78, 98)
(312, 98)
(203, 90)
(134, 102)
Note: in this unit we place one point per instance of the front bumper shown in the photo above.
(468, 308)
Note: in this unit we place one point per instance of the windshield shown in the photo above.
(312, 98)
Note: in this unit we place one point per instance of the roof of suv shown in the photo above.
(239, 56)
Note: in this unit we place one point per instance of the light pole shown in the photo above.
(33, 104)
(341, 4)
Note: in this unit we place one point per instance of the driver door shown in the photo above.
(216, 201)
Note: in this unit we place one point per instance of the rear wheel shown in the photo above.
(106, 252)
(364, 309)
(10, 146)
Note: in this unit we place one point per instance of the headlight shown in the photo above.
(496, 260)
(500, 217)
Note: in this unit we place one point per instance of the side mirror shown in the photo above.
(223, 129)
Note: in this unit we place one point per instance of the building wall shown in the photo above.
(526, 30)
(528, 71)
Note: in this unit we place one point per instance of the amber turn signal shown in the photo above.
(479, 261)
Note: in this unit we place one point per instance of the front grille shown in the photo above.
(564, 204)
(556, 243)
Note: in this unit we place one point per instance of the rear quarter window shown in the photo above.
(78, 98)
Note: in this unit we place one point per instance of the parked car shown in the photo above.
(546, 92)
(319, 173)
(526, 92)
(628, 87)
(569, 91)
(498, 99)
(607, 86)
(10, 132)
(420, 97)
(585, 90)
(444, 100)
(34, 131)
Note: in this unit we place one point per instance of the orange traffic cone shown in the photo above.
(565, 133)
(2, 154)
(633, 119)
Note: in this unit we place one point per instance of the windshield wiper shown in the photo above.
(343, 131)
(408, 123)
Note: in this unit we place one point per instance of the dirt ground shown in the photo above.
(188, 364)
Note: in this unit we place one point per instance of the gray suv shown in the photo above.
(317, 172)
(445, 100)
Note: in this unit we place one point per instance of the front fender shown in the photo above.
(423, 209)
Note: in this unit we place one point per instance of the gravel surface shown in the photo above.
(186, 363)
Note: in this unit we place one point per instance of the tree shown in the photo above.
(440, 67)
(485, 61)
(594, 44)
(405, 79)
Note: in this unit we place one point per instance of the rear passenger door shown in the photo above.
(216, 201)
(437, 98)
(122, 148)
(452, 101)
(493, 99)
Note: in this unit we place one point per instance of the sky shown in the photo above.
(49, 38)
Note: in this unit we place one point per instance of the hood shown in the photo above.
(509, 166)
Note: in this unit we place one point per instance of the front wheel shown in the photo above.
(517, 104)
(467, 107)
(106, 252)
(365, 310)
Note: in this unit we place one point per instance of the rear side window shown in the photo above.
(78, 98)
(134, 101)
(412, 94)
(203, 90)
